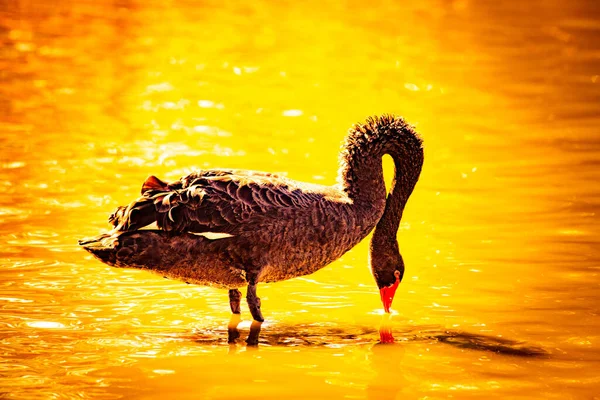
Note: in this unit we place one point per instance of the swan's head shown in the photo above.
(388, 269)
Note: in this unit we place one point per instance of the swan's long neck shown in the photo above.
(361, 177)
(361, 172)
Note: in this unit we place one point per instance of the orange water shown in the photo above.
(500, 238)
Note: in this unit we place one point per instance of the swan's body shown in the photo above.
(273, 222)
(276, 228)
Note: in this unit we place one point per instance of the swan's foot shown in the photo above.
(232, 331)
(252, 339)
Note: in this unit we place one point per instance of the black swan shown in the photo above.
(272, 228)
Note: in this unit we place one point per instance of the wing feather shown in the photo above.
(222, 200)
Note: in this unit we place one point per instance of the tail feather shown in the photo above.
(159, 203)
(117, 215)
(136, 215)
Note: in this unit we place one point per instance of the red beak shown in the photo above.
(387, 294)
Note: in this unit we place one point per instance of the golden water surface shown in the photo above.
(501, 294)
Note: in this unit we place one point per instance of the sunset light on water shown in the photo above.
(500, 297)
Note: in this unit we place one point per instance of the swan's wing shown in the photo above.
(211, 173)
(221, 202)
(153, 184)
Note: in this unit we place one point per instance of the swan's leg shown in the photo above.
(254, 305)
(234, 302)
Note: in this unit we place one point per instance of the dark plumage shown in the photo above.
(276, 228)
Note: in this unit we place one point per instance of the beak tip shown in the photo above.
(387, 294)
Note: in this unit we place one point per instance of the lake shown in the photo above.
(500, 238)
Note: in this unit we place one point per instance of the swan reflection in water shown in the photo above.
(385, 352)
(326, 334)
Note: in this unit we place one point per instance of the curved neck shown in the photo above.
(364, 184)
(361, 172)
(362, 180)
(403, 183)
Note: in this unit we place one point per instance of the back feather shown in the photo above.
(213, 200)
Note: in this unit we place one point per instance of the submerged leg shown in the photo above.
(252, 339)
(254, 306)
(234, 302)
